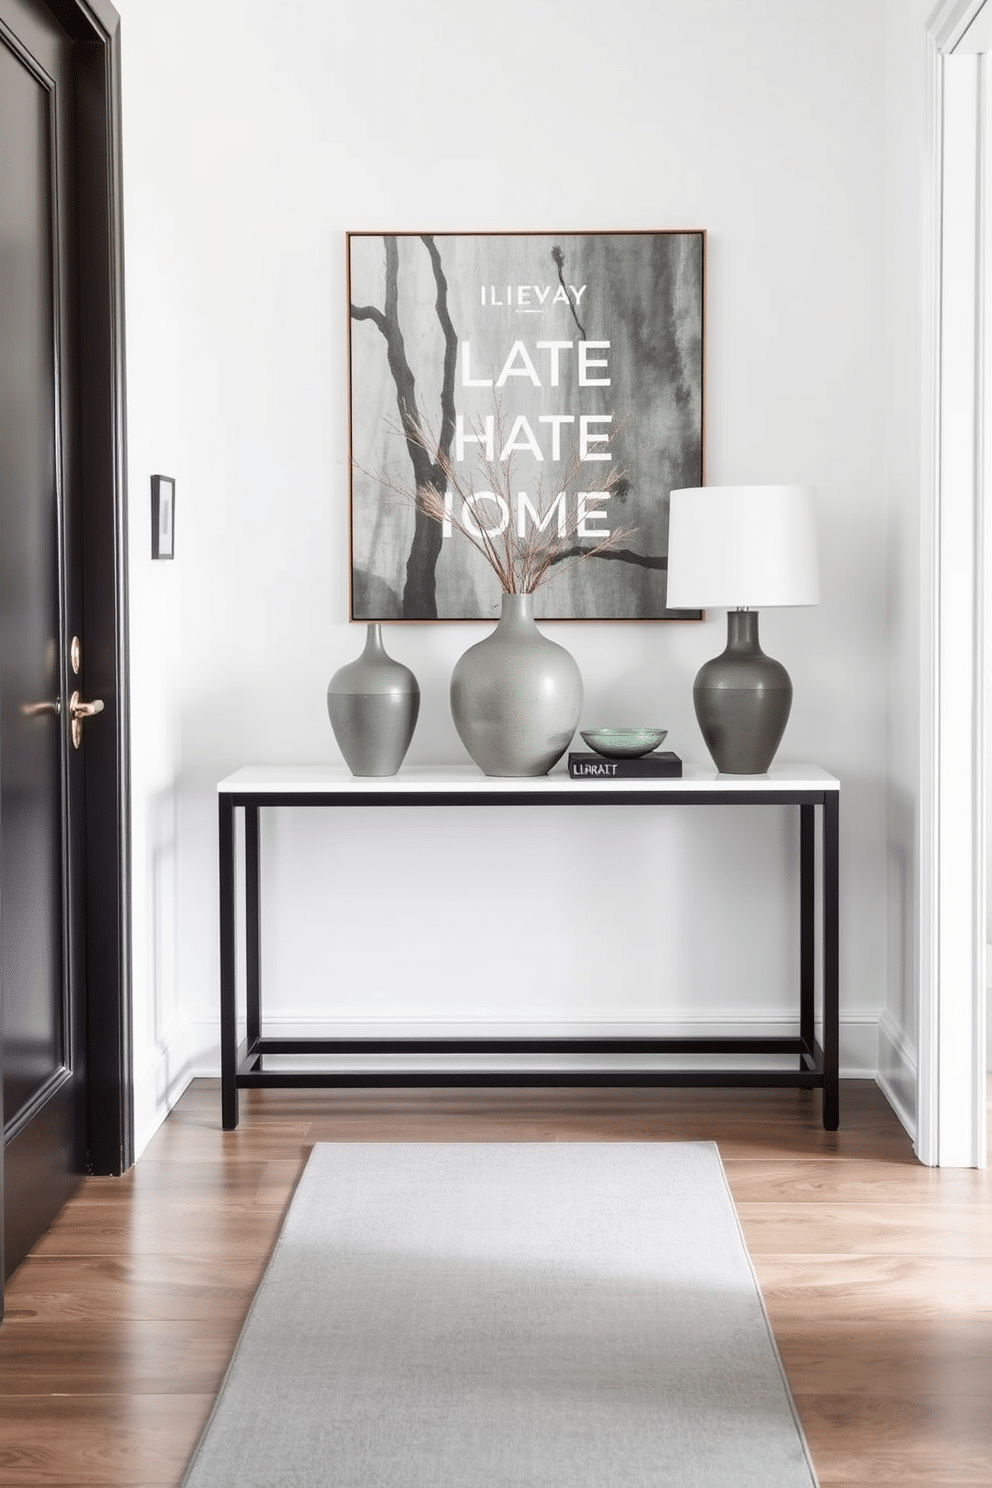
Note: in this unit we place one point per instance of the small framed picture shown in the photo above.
(163, 516)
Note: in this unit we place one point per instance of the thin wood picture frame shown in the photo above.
(545, 360)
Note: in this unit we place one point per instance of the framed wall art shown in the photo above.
(533, 384)
(163, 516)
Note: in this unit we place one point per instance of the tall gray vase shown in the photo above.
(516, 696)
(373, 704)
(743, 698)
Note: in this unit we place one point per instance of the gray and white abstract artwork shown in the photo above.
(559, 376)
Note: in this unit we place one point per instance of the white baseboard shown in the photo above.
(897, 1072)
(858, 1037)
(160, 1082)
(871, 1048)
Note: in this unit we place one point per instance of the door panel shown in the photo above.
(30, 753)
(40, 1043)
(67, 1049)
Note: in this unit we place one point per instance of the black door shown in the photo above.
(62, 860)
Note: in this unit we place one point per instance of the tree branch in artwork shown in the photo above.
(559, 261)
(429, 462)
(618, 555)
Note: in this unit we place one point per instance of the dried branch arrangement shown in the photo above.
(523, 537)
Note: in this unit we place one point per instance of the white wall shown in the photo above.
(250, 149)
(157, 436)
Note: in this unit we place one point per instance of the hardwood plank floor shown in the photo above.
(877, 1273)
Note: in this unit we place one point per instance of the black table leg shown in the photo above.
(807, 932)
(228, 986)
(831, 960)
(252, 931)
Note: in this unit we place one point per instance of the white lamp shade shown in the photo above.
(742, 547)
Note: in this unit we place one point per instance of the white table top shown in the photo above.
(453, 779)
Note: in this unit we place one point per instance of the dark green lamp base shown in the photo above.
(742, 699)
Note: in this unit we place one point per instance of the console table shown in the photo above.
(270, 788)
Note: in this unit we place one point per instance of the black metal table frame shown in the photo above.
(818, 1065)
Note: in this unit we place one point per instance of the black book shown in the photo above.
(657, 766)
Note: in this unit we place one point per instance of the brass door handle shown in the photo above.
(36, 710)
(78, 711)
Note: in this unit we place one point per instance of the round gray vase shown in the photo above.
(373, 704)
(516, 696)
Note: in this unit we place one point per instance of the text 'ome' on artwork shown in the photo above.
(531, 379)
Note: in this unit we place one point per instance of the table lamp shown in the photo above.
(742, 547)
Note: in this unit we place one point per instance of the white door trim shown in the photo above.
(951, 1097)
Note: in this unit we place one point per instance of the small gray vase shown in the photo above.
(516, 696)
(373, 704)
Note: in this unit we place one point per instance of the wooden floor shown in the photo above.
(877, 1272)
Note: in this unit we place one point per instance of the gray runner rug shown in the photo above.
(471, 1315)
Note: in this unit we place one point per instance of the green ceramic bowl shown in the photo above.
(624, 743)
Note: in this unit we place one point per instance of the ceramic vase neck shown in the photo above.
(517, 612)
(742, 631)
(373, 641)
